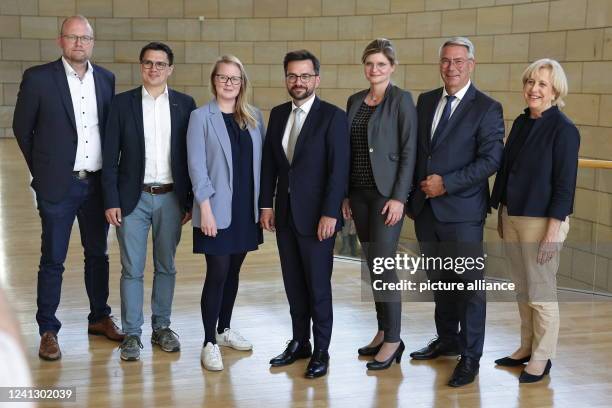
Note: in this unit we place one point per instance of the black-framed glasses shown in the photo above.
(84, 39)
(305, 78)
(159, 65)
(223, 79)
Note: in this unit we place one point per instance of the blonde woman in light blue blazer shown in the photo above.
(224, 143)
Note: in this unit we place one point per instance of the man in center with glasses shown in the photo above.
(146, 185)
(305, 165)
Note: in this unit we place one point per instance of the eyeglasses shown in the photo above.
(223, 79)
(379, 65)
(159, 65)
(305, 78)
(459, 63)
(84, 39)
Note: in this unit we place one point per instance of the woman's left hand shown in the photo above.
(550, 244)
(394, 210)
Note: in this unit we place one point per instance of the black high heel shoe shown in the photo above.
(383, 365)
(511, 362)
(369, 351)
(526, 378)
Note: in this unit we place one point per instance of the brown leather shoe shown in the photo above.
(107, 328)
(49, 348)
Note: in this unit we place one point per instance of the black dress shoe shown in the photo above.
(383, 365)
(319, 362)
(465, 372)
(294, 351)
(526, 378)
(369, 351)
(435, 348)
(511, 362)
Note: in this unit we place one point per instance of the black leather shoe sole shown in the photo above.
(511, 362)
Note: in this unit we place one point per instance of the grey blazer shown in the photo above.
(209, 156)
(392, 140)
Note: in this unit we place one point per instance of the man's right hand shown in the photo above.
(266, 219)
(113, 216)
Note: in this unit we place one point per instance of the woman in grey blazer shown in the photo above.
(224, 142)
(383, 156)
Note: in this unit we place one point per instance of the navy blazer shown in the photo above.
(124, 150)
(465, 154)
(45, 127)
(542, 180)
(318, 176)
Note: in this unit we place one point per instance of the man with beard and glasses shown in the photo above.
(305, 166)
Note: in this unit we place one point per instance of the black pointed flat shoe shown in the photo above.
(527, 378)
(511, 362)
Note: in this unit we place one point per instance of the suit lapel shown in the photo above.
(218, 125)
(174, 121)
(99, 101)
(282, 124)
(64, 91)
(457, 115)
(355, 106)
(307, 127)
(137, 115)
(430, 111)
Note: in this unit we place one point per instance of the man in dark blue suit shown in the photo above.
(306, 163)
(146, 186)
(460, 144)
(59, 124)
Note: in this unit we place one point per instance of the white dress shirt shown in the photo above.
(157, 130)
(442, 102)
(305, 108)
(83, 95)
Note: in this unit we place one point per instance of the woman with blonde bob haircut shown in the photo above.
(534, 190)
(383, 126)
(224, 142)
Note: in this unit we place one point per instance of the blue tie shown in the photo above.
(444, 119)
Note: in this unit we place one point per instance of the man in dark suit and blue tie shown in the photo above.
(146, 186)
(306, 165)
(59, 123)
(460, 144)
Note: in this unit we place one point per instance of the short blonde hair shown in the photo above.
(557, 78)
(244, 113)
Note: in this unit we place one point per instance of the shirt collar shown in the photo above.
(70, 71)
(305, 106)
(146, 94)
(460, 93)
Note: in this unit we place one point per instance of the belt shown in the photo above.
(83, 174)
(156, 189)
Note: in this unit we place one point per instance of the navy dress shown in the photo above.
(243, 234)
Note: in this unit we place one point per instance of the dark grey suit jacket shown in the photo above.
(392, 140)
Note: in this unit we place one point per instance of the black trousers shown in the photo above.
(307, 265)
(460, 315)
(219, 292)
(379, 240)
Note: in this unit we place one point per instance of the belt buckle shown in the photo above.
(153, 188)
(82, 174)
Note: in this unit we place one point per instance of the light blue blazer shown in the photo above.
(209, 156)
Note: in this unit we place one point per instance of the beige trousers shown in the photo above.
(536, 285)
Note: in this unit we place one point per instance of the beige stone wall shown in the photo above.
(507, 34)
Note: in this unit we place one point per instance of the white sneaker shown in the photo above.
(211, 357)
(231, 338)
